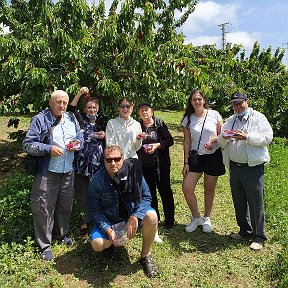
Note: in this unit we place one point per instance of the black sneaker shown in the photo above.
(169, 226)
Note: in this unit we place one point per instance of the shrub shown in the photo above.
(20, 264)
(279, 268)
(276, 200)
(15, 213)
(280, 141)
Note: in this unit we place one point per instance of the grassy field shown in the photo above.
(184, 260)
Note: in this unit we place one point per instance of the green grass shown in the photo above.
(184, 260)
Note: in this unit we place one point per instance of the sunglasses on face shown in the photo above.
(115, 159)
(123, 106)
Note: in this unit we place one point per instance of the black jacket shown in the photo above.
(165, 139)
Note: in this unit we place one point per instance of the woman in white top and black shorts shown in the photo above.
(201, 127)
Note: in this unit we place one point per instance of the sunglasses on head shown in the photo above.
(123, 106)
(115, 159)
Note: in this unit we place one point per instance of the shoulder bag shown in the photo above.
(193, 154)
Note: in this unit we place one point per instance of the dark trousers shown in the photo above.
(51, 204)
(81, 192)
(162, 183)
(247, 187)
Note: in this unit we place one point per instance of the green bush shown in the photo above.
(276, 199)
(13, 264)
(280, 141)
(15, 213)
(19, 261)
(20, 264)
(279, 268)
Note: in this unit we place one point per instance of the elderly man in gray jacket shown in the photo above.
(244, 138)
(53, 136)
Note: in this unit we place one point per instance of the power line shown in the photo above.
(224, 32)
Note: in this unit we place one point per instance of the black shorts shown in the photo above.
(211, 164)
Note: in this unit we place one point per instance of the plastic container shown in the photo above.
(228, 133)
(147, 147)
(121, 233)
(73, 144)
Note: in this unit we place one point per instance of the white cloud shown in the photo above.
(201, 28)
(202, 40)
(244, 38)
(208, 15)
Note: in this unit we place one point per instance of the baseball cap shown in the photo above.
(144, 104)
(238, 97)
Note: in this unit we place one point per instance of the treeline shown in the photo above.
(129, 49)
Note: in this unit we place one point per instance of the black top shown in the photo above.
(158, 132)
(123, 212)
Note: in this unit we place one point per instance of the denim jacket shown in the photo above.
(103, 201)
(34, 142)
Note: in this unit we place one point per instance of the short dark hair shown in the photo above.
(124, 98)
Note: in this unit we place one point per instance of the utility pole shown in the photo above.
(224, 32)
(286, 51)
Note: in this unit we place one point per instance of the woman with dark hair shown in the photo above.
(90, 158)
(201, 127)
(155, 158)
(124, 131)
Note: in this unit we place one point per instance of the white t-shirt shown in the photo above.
(123, 133)
(209, 130)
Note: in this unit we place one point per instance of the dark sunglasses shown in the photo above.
(115, 159)
(125, 106)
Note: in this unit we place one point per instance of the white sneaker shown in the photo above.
(157, 239)
(256, 245)
(192, 226)
(207, 226)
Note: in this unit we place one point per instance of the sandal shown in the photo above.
(149, 266)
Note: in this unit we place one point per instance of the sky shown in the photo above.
(247, 21)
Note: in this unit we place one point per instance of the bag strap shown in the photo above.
(45, 136)
(202, 131)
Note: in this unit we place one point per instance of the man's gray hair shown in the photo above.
(58, 93)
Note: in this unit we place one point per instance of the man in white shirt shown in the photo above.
(244, 138)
